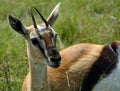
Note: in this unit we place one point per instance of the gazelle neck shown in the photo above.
(38, 74)
(38, 71)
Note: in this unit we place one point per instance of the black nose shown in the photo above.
(56, 59)
(56, 62)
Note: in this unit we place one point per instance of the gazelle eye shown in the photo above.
(35, 41)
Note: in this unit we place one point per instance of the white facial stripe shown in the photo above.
(44, 47)
(53, 39)
(53, 31)
(42, 42)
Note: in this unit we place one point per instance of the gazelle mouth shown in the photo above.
(54, 65)
(54, 62)
(55, 59)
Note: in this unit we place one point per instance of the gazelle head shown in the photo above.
(40, 39)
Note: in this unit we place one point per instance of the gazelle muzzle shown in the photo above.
(54, 58)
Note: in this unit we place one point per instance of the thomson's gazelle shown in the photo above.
(41, 49)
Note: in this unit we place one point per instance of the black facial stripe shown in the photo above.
(103, 65)
(42, 50)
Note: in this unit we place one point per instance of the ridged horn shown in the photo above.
(33, 19)
(44, 20)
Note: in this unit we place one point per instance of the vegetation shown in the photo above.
(80, 21)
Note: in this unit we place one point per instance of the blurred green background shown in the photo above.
(80, 21)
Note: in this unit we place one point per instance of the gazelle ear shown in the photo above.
(17, 25)
(54, 14)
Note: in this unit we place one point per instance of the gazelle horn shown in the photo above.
(33, 19)
(44, 20)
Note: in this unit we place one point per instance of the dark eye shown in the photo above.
(35, 41)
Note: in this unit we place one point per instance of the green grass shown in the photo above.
(80, 21)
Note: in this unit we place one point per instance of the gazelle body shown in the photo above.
(82, 64)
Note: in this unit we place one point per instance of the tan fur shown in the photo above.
(26, 83)
(76, 62)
